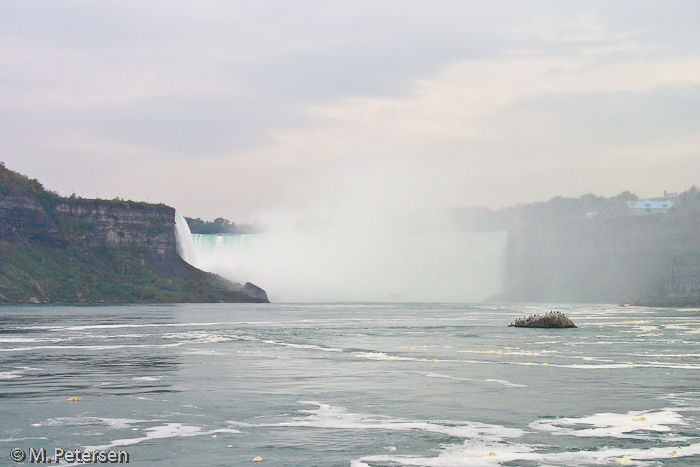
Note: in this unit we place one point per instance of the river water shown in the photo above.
(352, 384)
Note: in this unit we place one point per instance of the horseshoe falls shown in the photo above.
(318, 267)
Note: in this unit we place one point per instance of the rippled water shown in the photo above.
(352, 384)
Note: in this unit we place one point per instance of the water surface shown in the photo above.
(353, 384)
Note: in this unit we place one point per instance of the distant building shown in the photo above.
(640, 208)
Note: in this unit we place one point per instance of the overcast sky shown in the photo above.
(240, 108)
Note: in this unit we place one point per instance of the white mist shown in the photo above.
(420, 267)
(370, 231)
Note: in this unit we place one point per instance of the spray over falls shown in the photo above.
(345, 267)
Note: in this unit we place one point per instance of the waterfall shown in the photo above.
(296, 267)
(185, 243)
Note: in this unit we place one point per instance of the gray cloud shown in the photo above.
(260, 103)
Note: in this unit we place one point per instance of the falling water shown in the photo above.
(185, 244)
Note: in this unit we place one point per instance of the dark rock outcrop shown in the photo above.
(554, 319)
(255, 291)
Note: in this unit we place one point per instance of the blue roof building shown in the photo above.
(640, 208)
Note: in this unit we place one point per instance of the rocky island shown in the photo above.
(554, 319)
(56, 249)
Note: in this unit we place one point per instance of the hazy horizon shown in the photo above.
(281, 110)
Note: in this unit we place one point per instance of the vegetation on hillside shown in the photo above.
(18, 185)
(559, 207)
(56, 250)
(117, 275)
(15, 184)
(220, 226)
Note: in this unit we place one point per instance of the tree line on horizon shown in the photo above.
(486, 219)
(559, 207)
(220, 226)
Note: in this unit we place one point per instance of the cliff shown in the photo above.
(56, 249)
(614, 258)
(594, 249)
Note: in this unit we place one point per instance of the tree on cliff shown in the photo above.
(15, 184)
(219, 226)
(689, 200)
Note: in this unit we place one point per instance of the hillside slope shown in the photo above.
(73, 250)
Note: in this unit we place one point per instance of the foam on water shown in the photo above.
(491, 455)
(147, 378)
(491, 445)
(28, 438)
(111, 423)
(634, 424)
(387, 357)
(89, 347)
(169, 430)
(304, 346)
(330, 416)
(506, 383)
(490, 380)
(18, 372)
(683, 400)
(122, 326)
(22, 340)
(527, 353)
(612, 366)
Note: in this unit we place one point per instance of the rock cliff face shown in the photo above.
(55, 249)
(115, 223)
(88, 222)
(623, 259)
(23, 217)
